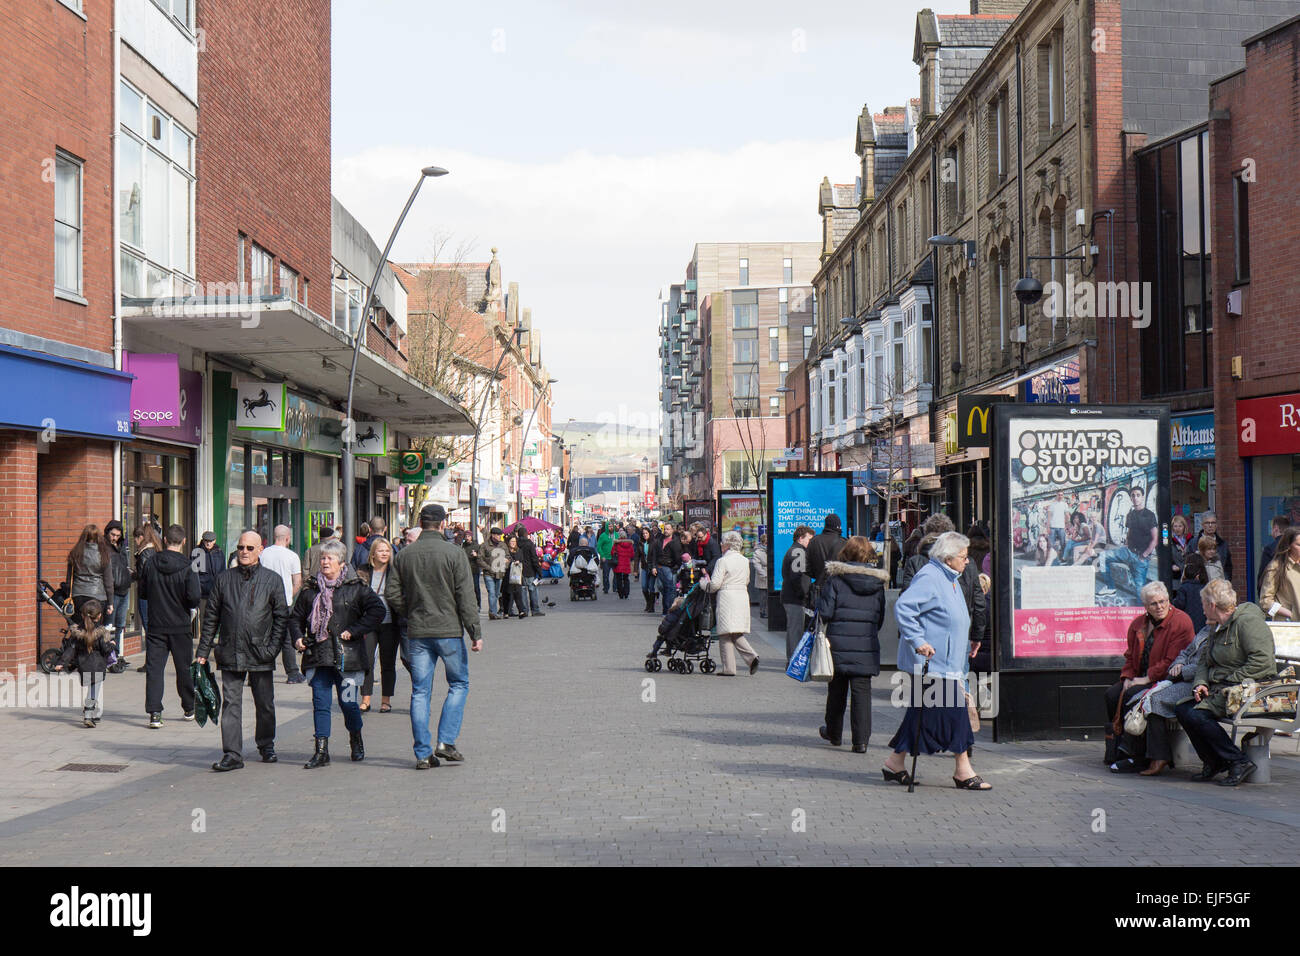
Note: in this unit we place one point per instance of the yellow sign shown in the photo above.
(950, 434)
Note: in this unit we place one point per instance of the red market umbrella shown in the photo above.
(533, 525)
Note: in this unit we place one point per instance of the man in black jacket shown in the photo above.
(704, 546)
(121, 556)
(532, 568)
(825, 547)
(208, 561)
(794, 589)
(245, 618)
(171, 587)
(1210, 526)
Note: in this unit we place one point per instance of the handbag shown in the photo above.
(821, 667)
(516, 572)
(1135, 721)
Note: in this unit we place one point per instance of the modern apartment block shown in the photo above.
(729, 334)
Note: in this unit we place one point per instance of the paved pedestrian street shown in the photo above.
(575, 755)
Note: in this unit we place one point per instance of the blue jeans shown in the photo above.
(425, 652)
(534, 602)
(647, 580)
(494, 592)
(120, 603)
(667, 585)
(1139, 566)
(348, 687)
(1057, 539)
(142, 607)
(605, 568)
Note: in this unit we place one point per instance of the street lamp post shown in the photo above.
(348, 464)
(515, 334)
(523, 445)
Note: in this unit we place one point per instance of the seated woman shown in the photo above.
(1154, 640)
(1169, 693)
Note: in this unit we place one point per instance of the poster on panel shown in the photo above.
(802, 498)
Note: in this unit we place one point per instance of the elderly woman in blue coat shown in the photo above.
(934, 625)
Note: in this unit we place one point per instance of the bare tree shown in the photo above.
(751, 435)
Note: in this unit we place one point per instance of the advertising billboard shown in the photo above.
(744, 512)
(795, 498)
(700, 510)
(1083, 492)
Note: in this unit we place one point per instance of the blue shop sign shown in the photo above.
(1192, 437)
(68, 398)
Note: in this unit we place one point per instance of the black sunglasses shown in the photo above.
(245, 547)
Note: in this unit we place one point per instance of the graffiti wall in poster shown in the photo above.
(1084, 532)
(744, 512)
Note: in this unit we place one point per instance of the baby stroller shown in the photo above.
(685, 632)
(47, 658)
(582, 581)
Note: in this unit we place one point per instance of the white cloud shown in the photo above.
(592, 238)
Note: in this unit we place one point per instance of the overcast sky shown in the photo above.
(595, 145)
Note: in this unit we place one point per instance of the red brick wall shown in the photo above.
(57, 76)
(1266, 335)
(264, 139)
(17, 505)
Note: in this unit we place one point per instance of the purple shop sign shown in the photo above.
(155, 392)
(189, 413)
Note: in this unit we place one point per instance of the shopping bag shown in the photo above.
(820, 666)
(798, 666)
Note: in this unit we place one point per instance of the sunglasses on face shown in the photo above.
(245, 547)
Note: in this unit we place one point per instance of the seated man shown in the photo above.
(1155, 639)
(581, 557)
(1162, 703)
(1239, 648)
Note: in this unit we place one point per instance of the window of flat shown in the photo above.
(774, 406)
(900, 360)
(1241, 229)
(953, 174)
(744, 272)
(787, 271)
(746, 350)
(774, 344)
(180, 11)
(260, 263)
(783, 307)
(288, 283)
(155, 184)
(67, 224)
(999, 135)
(1051, 85)
(744, 310)
(923, 211)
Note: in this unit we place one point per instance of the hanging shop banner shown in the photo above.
(700, 510)
(1269, 425)
(528, 485)
(370, 439)
(187, 426)
(261, 406)
(410, 467)
(155, 393)
(1080, 489)
(1192, 437)
(744, 512)
(797, 498)
(973, 419)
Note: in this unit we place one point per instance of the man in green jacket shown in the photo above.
(1240, 648)
(605, 548)
(433, 588)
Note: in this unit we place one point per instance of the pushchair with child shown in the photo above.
(687, 635)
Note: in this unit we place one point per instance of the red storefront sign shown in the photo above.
(1269, 425)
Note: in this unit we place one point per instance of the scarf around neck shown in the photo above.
(322, 608)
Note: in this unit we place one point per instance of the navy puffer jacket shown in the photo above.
(852, 606)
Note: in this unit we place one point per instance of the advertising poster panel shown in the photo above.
(1081, 493)
(744, 512)
(700, 510)
(795, 498)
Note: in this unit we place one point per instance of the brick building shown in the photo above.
(64, 407)
(1256, 363)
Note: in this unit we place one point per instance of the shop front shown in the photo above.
(274, 471)
(160, 466)
(1192, 465)
(1268, 436)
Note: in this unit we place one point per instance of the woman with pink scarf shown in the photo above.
(333, 613)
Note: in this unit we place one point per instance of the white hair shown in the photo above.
(949, 545)
(335, 547)
(733, 540)
(1153, 589)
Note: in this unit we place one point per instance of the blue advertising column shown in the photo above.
(795, 498)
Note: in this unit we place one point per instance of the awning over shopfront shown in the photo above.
(284, 340)
(63, 397)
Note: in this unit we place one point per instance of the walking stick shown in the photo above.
(911, 782)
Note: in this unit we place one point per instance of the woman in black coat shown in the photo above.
(1188, 596)
(852, 607)
(328, 623)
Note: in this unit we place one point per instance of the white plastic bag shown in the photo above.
(820, 666)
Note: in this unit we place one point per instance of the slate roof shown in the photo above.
(972, 29)
(963, 41)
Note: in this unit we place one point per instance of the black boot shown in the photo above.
(358, 748)
(321, 758)
(1112, 749)
(649, 603)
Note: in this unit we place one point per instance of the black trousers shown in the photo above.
(857, 692)
(262, 684)
(157, 648)
(1212, 743)
(1113, 693)
(387, 639)
(512, 598)
(623, 584)
(1158, 744)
